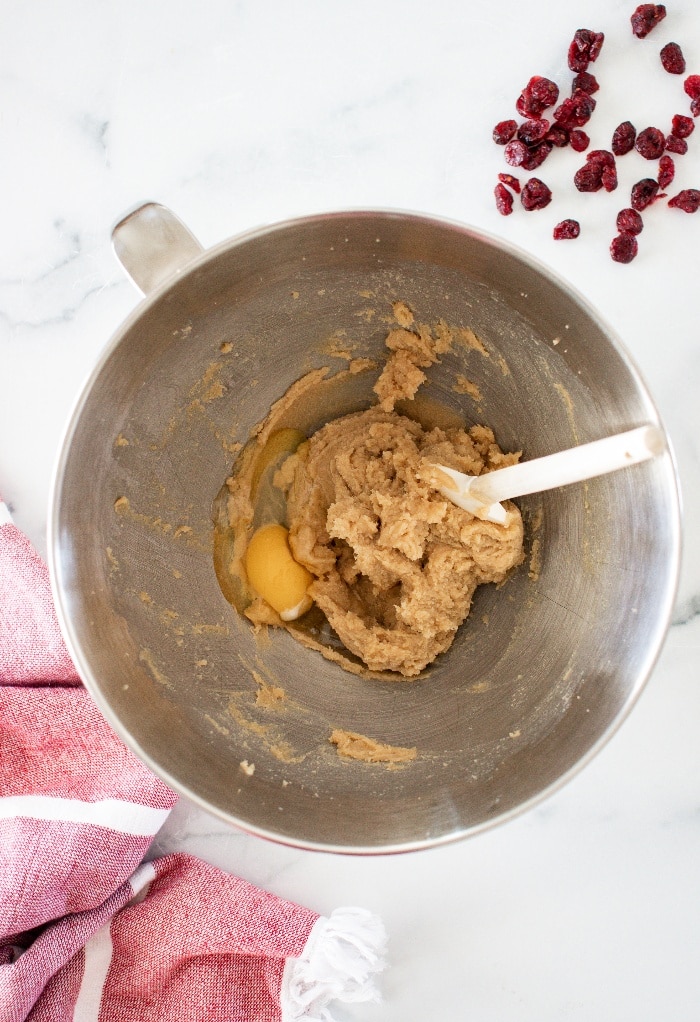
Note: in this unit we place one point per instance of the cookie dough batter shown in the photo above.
(394, 563)
(353, 746)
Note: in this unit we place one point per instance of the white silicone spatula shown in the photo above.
(481, 495)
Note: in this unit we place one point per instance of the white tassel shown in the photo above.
(343, 955)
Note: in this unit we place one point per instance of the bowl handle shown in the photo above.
(152, 244)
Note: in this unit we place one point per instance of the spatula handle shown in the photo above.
(570, 466)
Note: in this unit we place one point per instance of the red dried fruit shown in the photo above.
(579, 140)
(511, 181)
(598, 172)
(585, 82)
(646, 17)
(624, 248)
(584, 48)
(644, 192)
(692, 86)
(609, 178)
(624, 137)
(603, 156)
(629, 222)
(515, 152)
(650, 143)
(667, 171)
(544, 91)
(564, 113)
(596, 45)
(584, 107)
(575, 111)
(535, 194)
(538, 94)
(682, 126)
(533, 131)
(589, 178)
(676, 145)
(504, 200)
(558, 136)
(672, 59)
(566, 229)
(504, 132)
(695, 107)
(536, 155)
(688, 200)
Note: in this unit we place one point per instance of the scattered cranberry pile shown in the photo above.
(528, 143)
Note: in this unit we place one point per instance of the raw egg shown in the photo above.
(275, 575)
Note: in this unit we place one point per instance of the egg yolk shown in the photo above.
(275, 575)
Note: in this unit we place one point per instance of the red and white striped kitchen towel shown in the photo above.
(87, 930)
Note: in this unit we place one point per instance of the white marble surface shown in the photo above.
(235, 113)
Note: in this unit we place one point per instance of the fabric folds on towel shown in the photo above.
(88, 930)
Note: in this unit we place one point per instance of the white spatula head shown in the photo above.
(481, 495)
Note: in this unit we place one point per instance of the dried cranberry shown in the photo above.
(598, 172)
(695, 107)
(688, 200)
(558, 136)
(692, 86)
(584, 107)
(602, 156)
(676, 145)
(504, 132)
(672, 59)
(536, 155)
(579, 140)
(624, 248)
(544, 91)
(643, 193)
(682, 126)
(564, 113)
(667, 171)
(566, 229)
(515, 152)
(585, 82)
(538, 94)
(584, 48)
(535, 194)
(532, 131)
(609, 178)
(511, 181)
(650, 143)
(575, 111)
(589, 178)
(504, 200)
(646, 17)
(629, 222)
(596, 45)
(623, 139)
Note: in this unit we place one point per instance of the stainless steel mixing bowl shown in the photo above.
(545, 668)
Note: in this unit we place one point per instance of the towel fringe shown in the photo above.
(342, 957)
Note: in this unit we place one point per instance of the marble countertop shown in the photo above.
(238, 114)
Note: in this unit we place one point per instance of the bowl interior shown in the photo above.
(544, 668)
